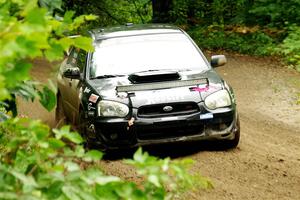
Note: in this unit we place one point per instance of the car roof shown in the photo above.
(133, 30)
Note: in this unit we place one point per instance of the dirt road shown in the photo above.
(266, 164)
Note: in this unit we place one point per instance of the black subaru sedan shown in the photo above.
(145, 84)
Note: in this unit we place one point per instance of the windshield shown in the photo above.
(126, 55)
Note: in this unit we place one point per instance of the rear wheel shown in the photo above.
(60, 117)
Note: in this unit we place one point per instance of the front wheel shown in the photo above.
(87, 131)
(230, 144)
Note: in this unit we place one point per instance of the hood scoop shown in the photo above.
(153, 76)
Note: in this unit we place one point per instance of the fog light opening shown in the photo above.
(223, 126)
(114, 136)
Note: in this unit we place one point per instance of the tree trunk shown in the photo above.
(161, 11)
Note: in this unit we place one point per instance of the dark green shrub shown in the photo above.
(290, 47)
(219, 37)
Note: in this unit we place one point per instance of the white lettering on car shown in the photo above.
(86, 90)
(163, 96)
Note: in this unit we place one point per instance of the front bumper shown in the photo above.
(118, 133)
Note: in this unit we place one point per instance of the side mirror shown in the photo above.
(218, 60)
(72, 73)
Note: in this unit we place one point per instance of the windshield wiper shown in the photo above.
(106, 76)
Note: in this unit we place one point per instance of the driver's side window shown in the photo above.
(77, 58)
(81, 60)
(72, 60)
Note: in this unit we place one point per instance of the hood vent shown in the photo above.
(153, 76)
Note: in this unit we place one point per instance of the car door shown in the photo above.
(65, 83)
(75, 84)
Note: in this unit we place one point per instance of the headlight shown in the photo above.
(112, 109)
(218, 100)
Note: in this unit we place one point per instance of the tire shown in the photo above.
(82, 127)
(60, 117)
(89, 142)
(231, 144)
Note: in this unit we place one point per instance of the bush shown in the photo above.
(35, 164)
(240, 39)
(290, 47)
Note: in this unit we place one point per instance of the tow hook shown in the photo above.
(130, 123)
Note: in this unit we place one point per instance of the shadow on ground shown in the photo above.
(175, 150)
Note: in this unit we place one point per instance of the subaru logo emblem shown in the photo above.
(168, 108)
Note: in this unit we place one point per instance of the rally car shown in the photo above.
(145, 84)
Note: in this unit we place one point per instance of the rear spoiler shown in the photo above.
(161, 85)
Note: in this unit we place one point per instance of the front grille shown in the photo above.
(169, 130)
(184, 108)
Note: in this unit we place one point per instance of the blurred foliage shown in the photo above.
(27, 32)
(37, 164)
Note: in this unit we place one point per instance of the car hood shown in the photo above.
(106, 89)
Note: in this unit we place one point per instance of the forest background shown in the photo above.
(256, 27)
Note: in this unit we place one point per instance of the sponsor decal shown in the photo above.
(203, 88)
(86, 90)
(169, 118)
(169, 95)
(207, 116)
(90, 106)
(91, 113)
(93, 98)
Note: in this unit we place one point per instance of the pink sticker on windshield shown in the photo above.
(202, 88)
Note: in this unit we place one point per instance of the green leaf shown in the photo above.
(68, 16)
(126, 190)
(55, 143)
(71, 166)
(47, 98)
(70, 193)
(66, 43)
(64, 132)
(55, 52)
(103, 180)
(90, 17)
(84, 43)
(28, 47)
(26, 90)
(26, 180)
(36, 16)
(74, 137)
(18, 73)
(139, 156)
(54, 190)
(154, 179)
(8, 195)
(93, 155)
